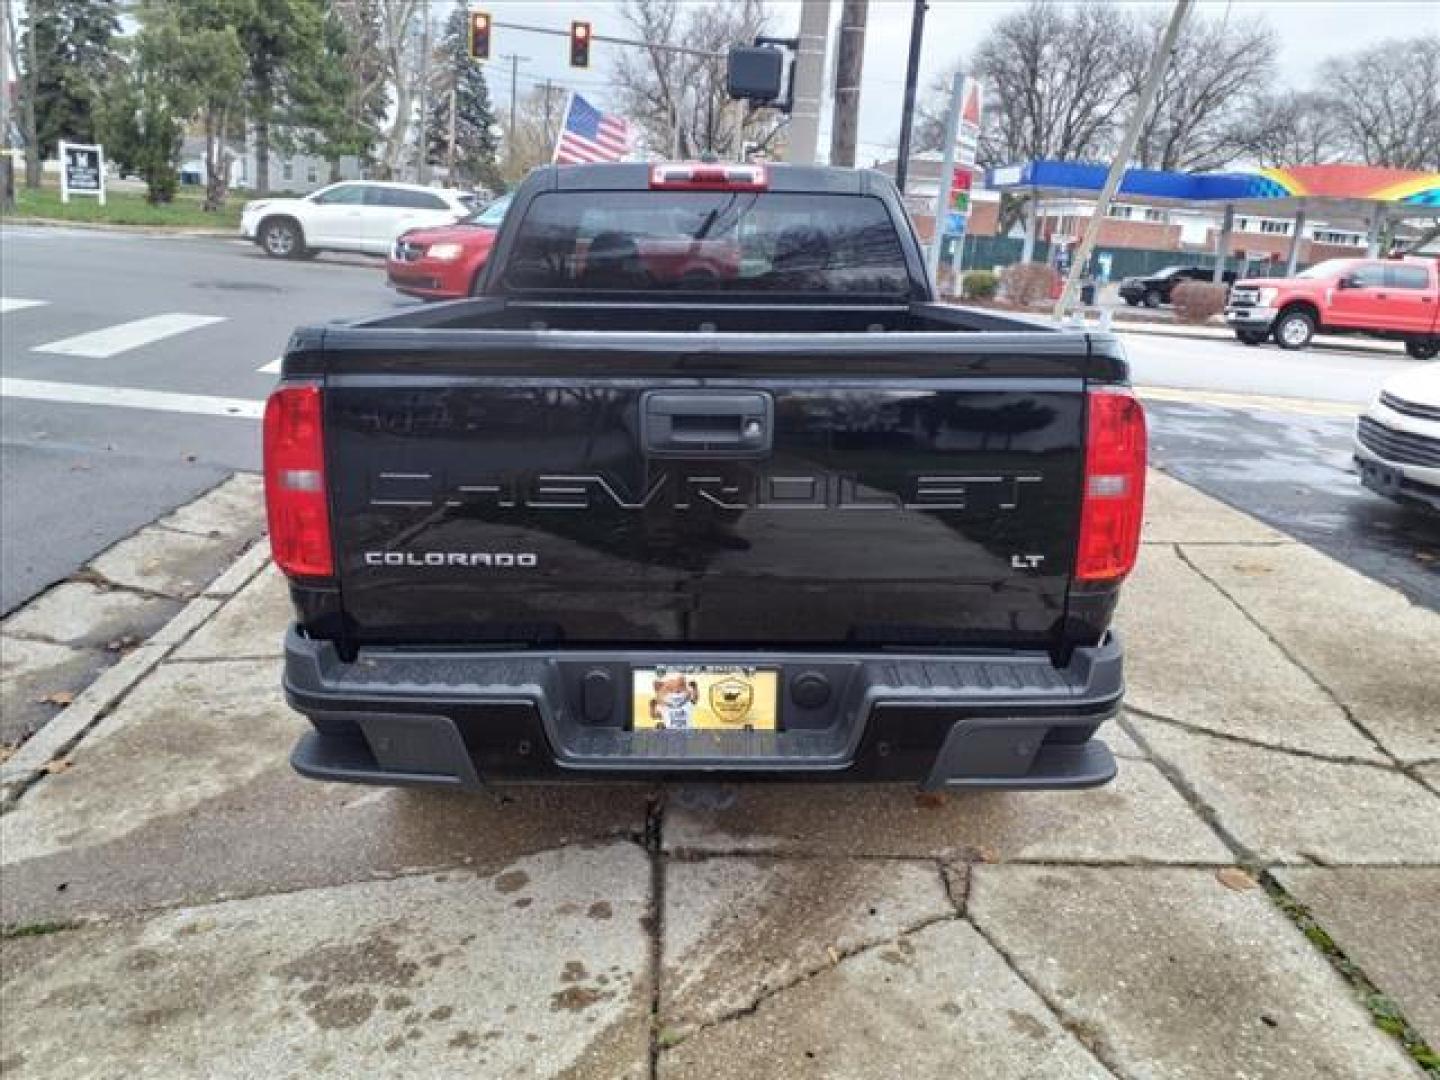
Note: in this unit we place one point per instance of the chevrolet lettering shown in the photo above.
(703, 483)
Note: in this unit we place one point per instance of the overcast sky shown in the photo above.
(1308, 30)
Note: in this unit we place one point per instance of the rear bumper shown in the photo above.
(417, 717)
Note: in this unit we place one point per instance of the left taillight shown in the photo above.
(1113, 502)
(295, 490)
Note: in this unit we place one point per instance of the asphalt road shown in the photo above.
(76, 476)
(105, 425)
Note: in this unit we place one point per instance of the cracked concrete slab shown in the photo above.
(430, 976)
(235, 508)
(31, 672)
(83, 614)
(737, 930)
(1377, 652)
(252, 624)
(1288, 808)
(1213, 669)
(1175, 512)
(1430, 773)
(1384, 920)
(173, 564)
(1167, 972)
(184, 794)
(940, 1002)
(1137, 818)
(1121, 744)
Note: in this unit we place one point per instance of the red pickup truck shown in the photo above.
(1388, 298)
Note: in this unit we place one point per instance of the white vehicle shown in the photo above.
(1397, 440)
(357, 215)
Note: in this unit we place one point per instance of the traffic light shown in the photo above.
(479, 35)
(580, 44)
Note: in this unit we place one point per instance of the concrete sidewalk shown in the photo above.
(178, 903)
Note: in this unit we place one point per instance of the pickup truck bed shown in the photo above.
(846, 531)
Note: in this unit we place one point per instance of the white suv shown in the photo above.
(1397, 441)
(357, 215)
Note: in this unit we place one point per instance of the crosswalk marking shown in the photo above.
(112, 340)
(125, 398)
(272, 368)
(14, 303)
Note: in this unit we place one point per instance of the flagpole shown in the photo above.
(564, 123)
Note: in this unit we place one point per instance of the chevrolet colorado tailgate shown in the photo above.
(779, 512)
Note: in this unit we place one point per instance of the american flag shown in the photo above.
(591, 135)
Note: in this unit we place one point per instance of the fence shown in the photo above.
(988, 252)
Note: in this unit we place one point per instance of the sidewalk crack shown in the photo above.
(837, 957)
(1320, 684)
(1082, 1032)
(1197, 802)
(1259, 744)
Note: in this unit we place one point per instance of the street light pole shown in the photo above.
(1158, 64)
(912, 76)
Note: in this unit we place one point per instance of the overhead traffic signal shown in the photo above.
(479, 35)
(580, 44)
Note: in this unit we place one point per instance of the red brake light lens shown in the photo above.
(295, 492)
(1113, 504)
(686, 176)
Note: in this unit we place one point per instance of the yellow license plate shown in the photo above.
(704, 697)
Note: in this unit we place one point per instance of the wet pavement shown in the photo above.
(1294, 472)
(178, 903)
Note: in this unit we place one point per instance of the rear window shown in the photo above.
(689, 241)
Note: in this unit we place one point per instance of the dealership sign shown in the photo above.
(82, 171)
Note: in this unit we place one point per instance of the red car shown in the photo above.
(442, 263)
(1385, 298)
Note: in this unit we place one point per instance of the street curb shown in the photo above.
(65, 730)
(1123, 326)
(1265, 402)
(133, 230)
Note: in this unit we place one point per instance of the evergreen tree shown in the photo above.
(283, 42)
(476, 146)
(67, 53)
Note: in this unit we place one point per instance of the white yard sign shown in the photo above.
(82, 170)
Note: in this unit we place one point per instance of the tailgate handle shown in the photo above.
(699, 423)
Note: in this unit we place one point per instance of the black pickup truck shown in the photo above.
(704, 483)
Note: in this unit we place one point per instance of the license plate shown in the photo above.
(704, 697)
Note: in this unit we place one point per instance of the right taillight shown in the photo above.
(1114, 498)
(295, 496)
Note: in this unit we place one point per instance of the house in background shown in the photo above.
(293, 172)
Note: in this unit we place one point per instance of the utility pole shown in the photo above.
(7, 167)
(907, 111)
(849, 60)
(515, 62)
(422, 167)
(809, 81)
(1158, 63)
(450, 155)
(548, 140)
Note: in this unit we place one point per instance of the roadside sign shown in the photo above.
(82, 170)
(967, 136)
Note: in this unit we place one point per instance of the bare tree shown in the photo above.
(399, 36)
(1386, 102)
(1055, 84)
(1293, 128)
(1205, 105)
(1054, 79)
(679, 100)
